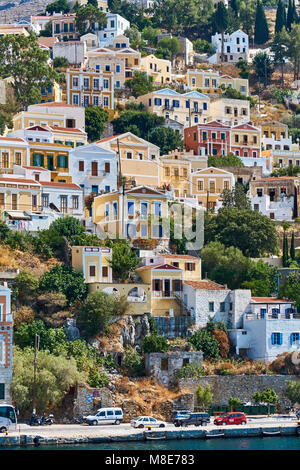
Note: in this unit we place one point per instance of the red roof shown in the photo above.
(68, 129)
(159, 267)
(18, 180)
(17, 139)
(60, 185)
(39, 168)
(205, 285)
(47, 41)
(179, 256)
(54, 104)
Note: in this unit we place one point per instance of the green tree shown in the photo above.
(67, 227)
(93, 2)
(133, 34)
(221, 23)
(253, 233)
(25, 286)
(150, 34)
(87, 17)
(290, 16)
(244, 68)
(140, 84)
(293, 391)
(154, 343)
(292, 247)
(51, 339)
(280, 21)
(94, 315)
(203, 341)
(234, 403)
(204, 397)
(170, 44)
(22, 59)
(285, 251)
(247, 16)
(124, 260)
(58, 6)
(268, 396)
(60, 62)
(142, 121)
(133, 362)
(95, 117)
(201, 45)
(224, 160)
(291, 288)
(166, 139)
(236, 197)
(55, 375)
(293, 48)
(263, 67)
(66, 280)
(279, 49)
(97, 379)
(190, 371)
(261, 278)
(261, 29)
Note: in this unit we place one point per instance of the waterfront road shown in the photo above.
(75, 431)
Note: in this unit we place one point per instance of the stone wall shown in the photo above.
(163, 366)
(88, 400)
(238, 386)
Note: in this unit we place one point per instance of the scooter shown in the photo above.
(42, 421)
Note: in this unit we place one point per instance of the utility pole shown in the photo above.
(36, 347)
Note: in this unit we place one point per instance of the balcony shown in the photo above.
(272, 316)
(96, 174)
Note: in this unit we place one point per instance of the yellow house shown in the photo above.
(282, 158)
(210, 82)
(90, 88)
(209, 183)
(137, 213)
(274, 129)
(166, 288)
(190, 265)
(175, 172)
(139, 158)
(53, 134)
(93, 263)
(187, 108)
(54, 157)
(26, 119)
(159, 69)
(230, 111)
(19, 194)
(13, 29)
(108, 60)
(13, 151)
(51, 93)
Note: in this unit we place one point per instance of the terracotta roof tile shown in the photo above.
(270, 300)
(205, 285)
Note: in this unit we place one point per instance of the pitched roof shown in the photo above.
(47, 41)
(56, 104)
(269, 300)
(18, 180)
(195, 94)
(205, 285)
(39, 168)
(159, 267)
(60, 185)
(170, 256)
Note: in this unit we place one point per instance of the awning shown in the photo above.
(18, 215)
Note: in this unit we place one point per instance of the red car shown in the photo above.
(231, 418)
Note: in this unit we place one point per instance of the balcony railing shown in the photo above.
(272, 316)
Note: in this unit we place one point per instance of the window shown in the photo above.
(295, 338)
(2, 351)
(222, 306)
(190, 266)
(96, 83)
(276, 339)
(226, 184)
(86, 83)
(105, 84)
(81, 165)
(259, 192)
(211, 306)
(104, 271)
(75, 100)
(75, 202)
(200, 185)
(107, 167)
(105, 101)
(63, 204)
(95, 100)
(2, 391)
(45, 200)
(92, 271)
(129, 155)
(5, 160)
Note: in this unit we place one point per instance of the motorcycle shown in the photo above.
(42, 421)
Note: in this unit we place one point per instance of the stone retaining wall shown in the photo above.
(239, 386)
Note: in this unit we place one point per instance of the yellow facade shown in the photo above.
(136, 214)
(190, 265)
(139, 158)
(19, 194)
(70, 137)
(13, 151)
(109, 60)
(51, 93)
(230, 110)
(187, 108)
(93, 262)
(159, 69)
(166, 289)
(90, 88)
(26, 119)
(208, 184)
(283, 158)
(275, 129)
(54, 157)
(210, 82)
(176, 172)
(13, 29)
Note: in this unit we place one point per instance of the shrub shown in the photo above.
(190, 371)
(153, 343)
(203, 341)
(224, 343)
(97, 379)
(66, 280)
(94, 314)
(204, 397)
(25, 286)
(23, 315)
(133, 362)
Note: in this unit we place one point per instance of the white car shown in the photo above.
(144, 421)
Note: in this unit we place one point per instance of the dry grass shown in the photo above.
(25, 261)
(246, 367)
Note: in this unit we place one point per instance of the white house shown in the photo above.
(116, 25)
(6, 339)
(271, 326)
(282, 209)
(94, 168)
(236, 47)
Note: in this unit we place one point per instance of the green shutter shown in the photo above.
(62, 161)
(2, 391)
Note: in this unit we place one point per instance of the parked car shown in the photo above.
(231, 418)
(176, 414)
(105, 415)
(143, 421)
(197, 419)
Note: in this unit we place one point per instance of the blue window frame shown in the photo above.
(263, 312)
(276, 339)
(118, 68)
(131, 230)
(205, 106)
(130, 208)
(295, 338)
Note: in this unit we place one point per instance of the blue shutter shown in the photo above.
(187, 104)
(291, 338)
(273, 338)
(280, 338)
(204, 106)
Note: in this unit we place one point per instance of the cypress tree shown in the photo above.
(280, 17)
(261, 29)
(234, 4)
(285, 251)
(295, 14)
(290, 16)
(292, 249)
